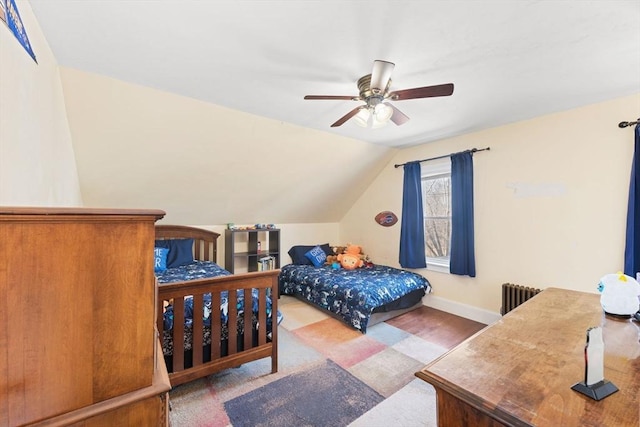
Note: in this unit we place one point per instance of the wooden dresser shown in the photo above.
(519, 371)
(77, 318)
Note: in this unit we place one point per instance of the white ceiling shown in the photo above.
(509, 60)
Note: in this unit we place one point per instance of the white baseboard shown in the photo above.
(459, 309)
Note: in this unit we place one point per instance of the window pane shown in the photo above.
(437, 196)
(437, 236)
(437, 216)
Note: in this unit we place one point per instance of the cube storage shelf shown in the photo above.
(247, 247)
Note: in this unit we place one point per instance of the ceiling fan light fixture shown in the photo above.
(381, 116)
(362, 118)
(375, 123)
(374, 91)
(383, 112)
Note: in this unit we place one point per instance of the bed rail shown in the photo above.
(253, 345)
(205, 360)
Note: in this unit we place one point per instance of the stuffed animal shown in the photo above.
(619, 294)
(353, 249)
(337, 250)
(357, 250)
(355, 258)
(350, 261)
(332, 259)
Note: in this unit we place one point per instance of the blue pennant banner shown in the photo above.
(15, 25)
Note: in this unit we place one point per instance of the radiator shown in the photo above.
(514, 295)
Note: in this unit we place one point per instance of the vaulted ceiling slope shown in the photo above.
(508, 60)
(203, 164)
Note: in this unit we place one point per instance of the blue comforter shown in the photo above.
(351, 294)
(202, 270)
(197, 270)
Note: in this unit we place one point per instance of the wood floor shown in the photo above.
(439, 327)
(436, 326)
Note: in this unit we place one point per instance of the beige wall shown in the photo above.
(550, 203)
(207, 164)
(37, 164)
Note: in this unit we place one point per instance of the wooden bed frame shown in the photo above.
(266, 282)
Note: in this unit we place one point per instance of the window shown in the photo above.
(436, 203)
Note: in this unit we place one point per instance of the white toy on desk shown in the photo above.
(619, 294)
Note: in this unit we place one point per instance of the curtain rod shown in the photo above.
(473, 150)
(625, 124)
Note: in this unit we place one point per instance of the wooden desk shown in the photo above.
(519, 371)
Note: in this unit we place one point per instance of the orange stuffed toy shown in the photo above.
(350, 260)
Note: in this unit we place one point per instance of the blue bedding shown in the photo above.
(196, 270)
(202, 270)
(351, 294)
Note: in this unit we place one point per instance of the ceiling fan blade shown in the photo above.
(422, 92)
(398, 117)
(380, 75)
(340, 97)
(347, 116)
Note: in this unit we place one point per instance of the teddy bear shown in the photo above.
(337, 250)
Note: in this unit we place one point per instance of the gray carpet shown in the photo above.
(326, 395)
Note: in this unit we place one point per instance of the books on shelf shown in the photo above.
(266, 263)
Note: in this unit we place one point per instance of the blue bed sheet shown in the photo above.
(197, 270)
(202, 270)
(350, 294)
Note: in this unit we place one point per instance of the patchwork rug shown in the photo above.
(326, 395)
(328, 375)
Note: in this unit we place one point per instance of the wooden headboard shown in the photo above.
(205, 242)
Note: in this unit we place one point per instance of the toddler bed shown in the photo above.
(354, 296)
(198, 301)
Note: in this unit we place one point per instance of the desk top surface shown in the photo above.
(522, 367)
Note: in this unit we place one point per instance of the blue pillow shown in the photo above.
(317, 256)
(180, 251)
(298, 257)
(160, 263)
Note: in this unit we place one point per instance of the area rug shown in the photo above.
(328, 375)
(326, 395)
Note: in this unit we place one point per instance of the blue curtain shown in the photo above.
(462, 258)
(412, 249)
(632, 244)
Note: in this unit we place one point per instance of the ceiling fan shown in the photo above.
(374, 91)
